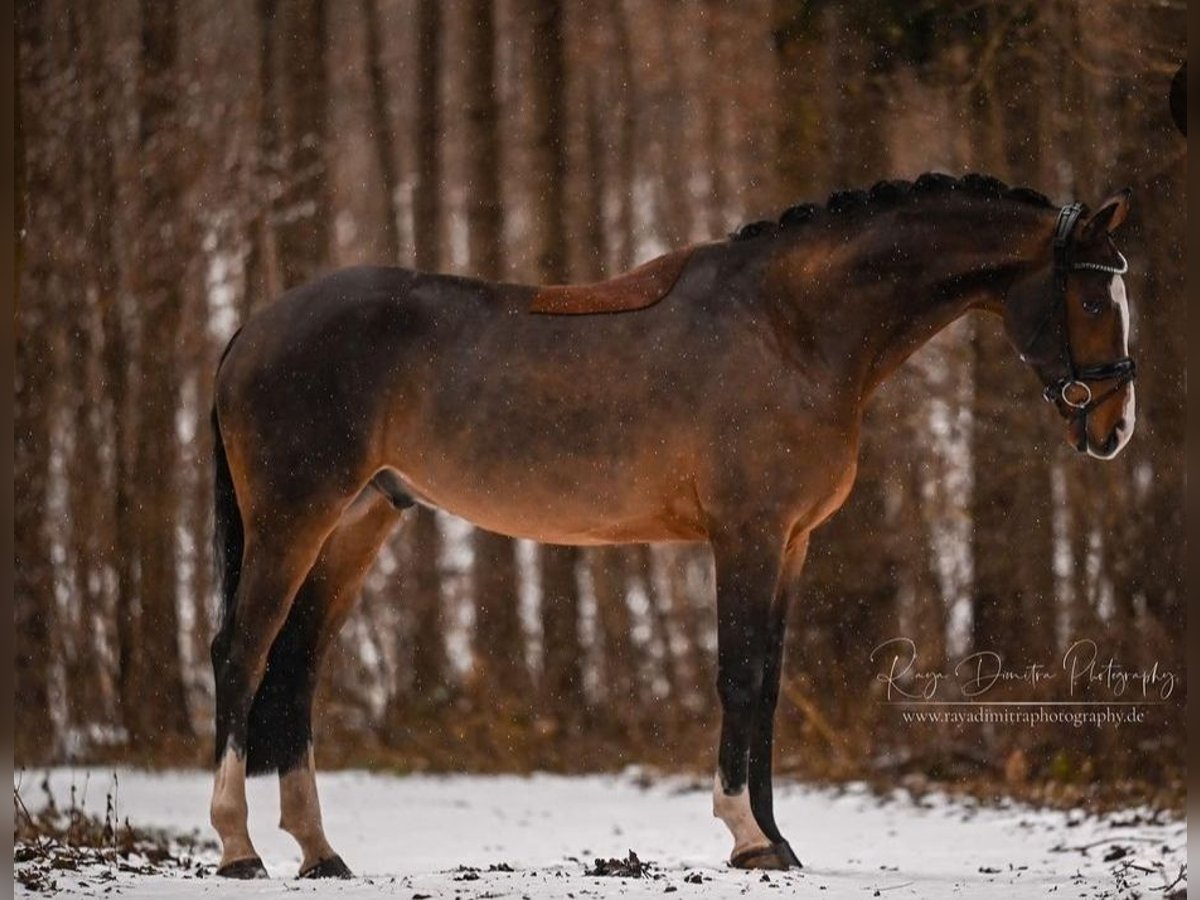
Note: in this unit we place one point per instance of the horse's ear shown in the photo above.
(1110, 216)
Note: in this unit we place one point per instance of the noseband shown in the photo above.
(1073, 389)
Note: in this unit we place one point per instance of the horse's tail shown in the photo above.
(228, 544)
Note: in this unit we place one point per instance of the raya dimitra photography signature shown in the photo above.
(1084, 672)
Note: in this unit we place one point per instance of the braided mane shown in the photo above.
(884, 195)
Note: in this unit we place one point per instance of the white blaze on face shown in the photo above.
(1120, 300)
(734, 810)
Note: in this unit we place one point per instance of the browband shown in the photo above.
(1067, 217)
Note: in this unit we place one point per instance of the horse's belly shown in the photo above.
(571, 502)
(559, 434)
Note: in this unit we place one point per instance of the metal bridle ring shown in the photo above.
(1087, 395)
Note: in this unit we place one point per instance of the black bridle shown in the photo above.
(1073, 390)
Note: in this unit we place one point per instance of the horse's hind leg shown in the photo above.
(283, 709)
(276, 558)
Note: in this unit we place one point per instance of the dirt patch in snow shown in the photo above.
(629, 867)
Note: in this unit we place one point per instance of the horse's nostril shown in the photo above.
(1122, 427)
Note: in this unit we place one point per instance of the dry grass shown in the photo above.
(58, 842)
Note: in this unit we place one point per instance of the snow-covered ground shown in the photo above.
(411, 837)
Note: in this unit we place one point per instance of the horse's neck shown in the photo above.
(913, 291)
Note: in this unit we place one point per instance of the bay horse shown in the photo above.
(715, 395)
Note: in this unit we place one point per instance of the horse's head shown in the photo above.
(1070, 322)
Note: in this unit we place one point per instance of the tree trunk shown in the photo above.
(626, 139)
(428, 64)
(160, 714)
(263, 280)
(429, 667)
(33, 572)
(802, 82)
(562, 656)
(549, 139)
(610, 579)
(294, 135)
(89, 475)
(715, 143)
(501, 666)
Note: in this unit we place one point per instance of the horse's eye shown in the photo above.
(1093, 306)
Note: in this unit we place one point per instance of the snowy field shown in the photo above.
(438, 837)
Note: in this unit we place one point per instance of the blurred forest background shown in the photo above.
(182, 163)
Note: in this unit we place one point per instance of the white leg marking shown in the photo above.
(734, 810)
(300, 812)
(229, 811)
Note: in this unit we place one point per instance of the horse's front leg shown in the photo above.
(762, 738)
(749, 647)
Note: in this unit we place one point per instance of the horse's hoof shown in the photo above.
(333, 867)
(788, 855)
(244, 869)
(778, 857)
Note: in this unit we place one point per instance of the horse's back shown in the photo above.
(348, 322)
